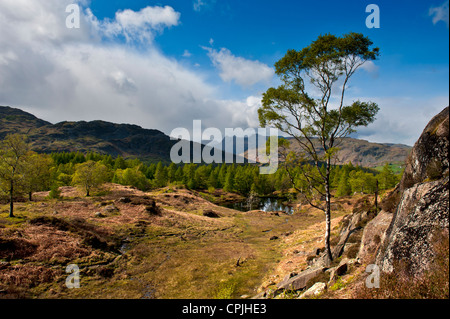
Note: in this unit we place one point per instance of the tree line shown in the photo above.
(23, 172)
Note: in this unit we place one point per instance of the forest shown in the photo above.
(23, 172)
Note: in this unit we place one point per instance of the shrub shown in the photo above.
(55, 193)
(434, 170)
(225, 290)
(352, 252)
(390, 202)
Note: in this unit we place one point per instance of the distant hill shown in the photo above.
(367, 154)
(14, 120)
(126, 140)
(152, 145)
(96, 136)
(362, 152)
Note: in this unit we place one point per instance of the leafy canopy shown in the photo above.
(327, 64)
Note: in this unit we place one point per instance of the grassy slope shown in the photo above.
(179, 254)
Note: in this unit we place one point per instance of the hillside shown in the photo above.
(14, 120)
(361, 152)
(126, 140)
(367, 154)
(129, 140)
(97, 136)
(405, 238)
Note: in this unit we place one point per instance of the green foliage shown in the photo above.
(387, 178)
(131, 177)
(327, 64)
(344, 188)
(55, 193)
(90, 175)
(14, 152)
(39, 172)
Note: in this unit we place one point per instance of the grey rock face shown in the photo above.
(423, 208)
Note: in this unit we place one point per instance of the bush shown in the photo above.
(390, 202)
(434, 170)
(225, 290)
(55, 193)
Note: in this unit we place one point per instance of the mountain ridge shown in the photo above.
(133, 141)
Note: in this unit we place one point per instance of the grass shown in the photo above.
(179, 254)
(176, 255)
(396, 168)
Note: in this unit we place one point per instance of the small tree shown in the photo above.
(387, 177)
(344, 187)
(13, 154)
(89, 175)
(318, 121)
(160, 176)
(37, 175)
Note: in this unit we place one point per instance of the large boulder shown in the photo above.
(301, 280)
(374, 235)
(422, 212)
(429, 157)
(421, 202)
(314, 291)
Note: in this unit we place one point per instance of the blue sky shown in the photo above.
(161, 64)
(411, 45)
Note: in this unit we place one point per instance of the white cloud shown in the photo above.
(186, 54)
(200, 5)
(440, 13)
(401, 119)
(72, 74)
(244, 72)
(244, 113)
(140, 25)
(370, 67)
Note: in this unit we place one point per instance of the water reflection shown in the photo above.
(266, 204)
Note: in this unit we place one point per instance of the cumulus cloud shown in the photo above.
(440, 13)
(244, 72)
(74, 74)
(140, 25)
(401, 119)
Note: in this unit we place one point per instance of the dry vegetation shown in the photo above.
(170, 243)
(174, 243)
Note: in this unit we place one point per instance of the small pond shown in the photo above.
(266, 204)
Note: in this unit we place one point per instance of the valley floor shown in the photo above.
(169, 243)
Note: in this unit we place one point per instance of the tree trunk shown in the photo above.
(11, 199)
(328, 213)
(376, 197)
(30, 196)
(328, 225)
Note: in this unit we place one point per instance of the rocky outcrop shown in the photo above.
(412, 216)
(429, 157)
(301, 280)
(423, 207)
(422, 212)
(314, 291)
(374, 235)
